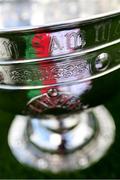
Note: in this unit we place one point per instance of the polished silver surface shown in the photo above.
(104, 27)
(67, 70)
(45, 149)
(56, 58)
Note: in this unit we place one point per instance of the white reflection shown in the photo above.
(36, 12)
(76, 89)
(81, 133)
(43, 137)
(55, 139)
(83, 72)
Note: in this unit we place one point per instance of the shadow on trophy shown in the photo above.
(58, 66)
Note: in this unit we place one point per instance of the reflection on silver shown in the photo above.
(76, 138)
(102, 62)
(34, 156)
(59, 143)
(8, 49)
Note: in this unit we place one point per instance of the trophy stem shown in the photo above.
(62, 134)
(55, 144)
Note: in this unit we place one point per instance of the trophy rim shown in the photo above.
(68, 24)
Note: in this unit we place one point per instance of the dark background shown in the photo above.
(108, 167)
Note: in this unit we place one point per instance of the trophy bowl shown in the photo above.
(57, 66)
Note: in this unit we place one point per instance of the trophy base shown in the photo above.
(48, 145)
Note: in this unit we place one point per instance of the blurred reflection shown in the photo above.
(36, 12)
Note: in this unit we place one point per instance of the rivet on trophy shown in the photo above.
(52, 92)
(102, 62)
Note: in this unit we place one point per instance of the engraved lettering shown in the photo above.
(117, 29)
(8, 49)
(73, 40)
(102, 32)
(61, 71)
(55, 44)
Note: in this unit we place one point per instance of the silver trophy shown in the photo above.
(59, 61)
